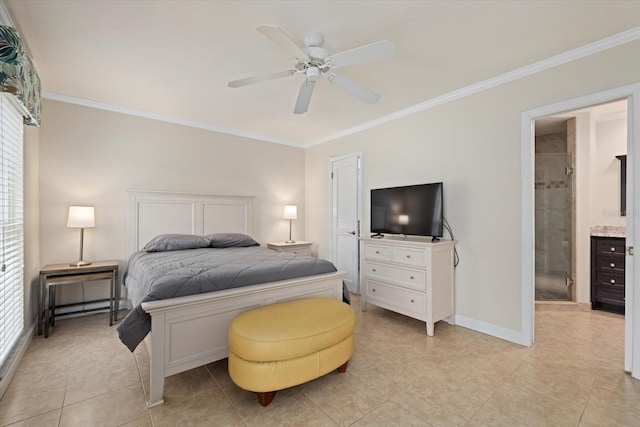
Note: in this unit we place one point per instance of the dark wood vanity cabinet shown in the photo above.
(607, 271)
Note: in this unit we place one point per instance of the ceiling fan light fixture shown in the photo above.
(313, 73)
(313, 39)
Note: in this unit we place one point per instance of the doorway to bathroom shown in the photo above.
(579, 185)
(607, 189)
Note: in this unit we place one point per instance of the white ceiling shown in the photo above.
(173, 59)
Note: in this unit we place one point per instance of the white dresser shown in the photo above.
(410, 276)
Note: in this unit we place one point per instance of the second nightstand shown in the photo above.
(300, 247)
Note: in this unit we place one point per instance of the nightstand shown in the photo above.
(299, 247)
(61, 274)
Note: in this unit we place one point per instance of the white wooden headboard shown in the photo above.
(157, 212)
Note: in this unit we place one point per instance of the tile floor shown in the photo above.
(82, 376)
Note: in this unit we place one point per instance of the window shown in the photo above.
(11, 225)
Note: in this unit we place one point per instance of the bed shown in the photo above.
(191, 330)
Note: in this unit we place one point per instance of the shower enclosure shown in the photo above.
(554, 240)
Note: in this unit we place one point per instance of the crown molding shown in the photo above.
(5, 16)
(165, 118)
(519, 73)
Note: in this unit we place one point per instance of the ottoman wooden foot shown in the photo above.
(343, 368)
(264, 398)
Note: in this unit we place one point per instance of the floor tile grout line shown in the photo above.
(496, 390)
(144, 394)
(586, 404)
(226, 396)
(66, 386)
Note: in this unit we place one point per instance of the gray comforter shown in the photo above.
(162, 275)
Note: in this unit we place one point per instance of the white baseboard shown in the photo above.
(15, 357)
(490, 329)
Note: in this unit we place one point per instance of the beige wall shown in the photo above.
(31, 224)
(473, 145)
(90, 156)
(610, 141)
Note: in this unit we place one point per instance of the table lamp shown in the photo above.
(290, 213)
(81, 217)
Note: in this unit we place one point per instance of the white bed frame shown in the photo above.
(191, 331)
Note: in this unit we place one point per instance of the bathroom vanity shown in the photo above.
(607, 271)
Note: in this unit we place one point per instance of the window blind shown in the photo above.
(12, 226)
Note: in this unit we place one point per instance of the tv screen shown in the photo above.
(413, 209)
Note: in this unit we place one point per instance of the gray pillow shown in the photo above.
(174, 242)
(231, 240)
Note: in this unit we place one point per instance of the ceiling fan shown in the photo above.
(313, 61)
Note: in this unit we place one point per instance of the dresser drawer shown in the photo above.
(380, 253)
(400, 298)
(610, 246)
(409, 256)
(403, 276)
(613, 279)
(297, 251)
(610, 295)
(610, 263)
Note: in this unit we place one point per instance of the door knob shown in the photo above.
(352, 232)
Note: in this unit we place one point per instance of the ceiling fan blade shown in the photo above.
(260, 78)
(355, 89)
(369, 52)
(282, 40)
(304, 96)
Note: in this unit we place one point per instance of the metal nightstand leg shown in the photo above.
(47, 306)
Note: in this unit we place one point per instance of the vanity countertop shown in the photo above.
(608, 231)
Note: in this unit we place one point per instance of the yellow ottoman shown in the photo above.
(282, 345)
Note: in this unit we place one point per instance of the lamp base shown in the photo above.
(289, 241)
(80, 263)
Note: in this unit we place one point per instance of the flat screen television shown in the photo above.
(410, 210)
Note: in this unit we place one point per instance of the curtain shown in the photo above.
(18, 76)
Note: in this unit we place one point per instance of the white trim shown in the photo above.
(632, 314)
(632, 294)
(5, 16)
(20, 350)
(490, 329)
(572, 55)
(164, 118)
(527, 277)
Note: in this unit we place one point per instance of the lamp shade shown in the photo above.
(403, 219)
(81, 217)
(290, 212)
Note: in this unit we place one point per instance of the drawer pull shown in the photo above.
(374, 270)
(379, 251)
(408, 256)
(612, 265)
(411, 277)
(613, 249)
(613, 280)
(373, 290)
(411, 300)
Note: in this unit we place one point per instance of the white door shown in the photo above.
(345, 217)
(630, 341)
